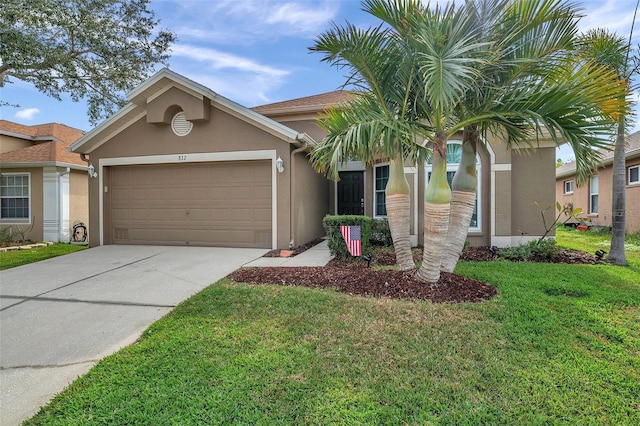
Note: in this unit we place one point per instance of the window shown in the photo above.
(593, 194)
(382, 177)
(454, 152)
(634, 175)
(568, 186)
(14, 196)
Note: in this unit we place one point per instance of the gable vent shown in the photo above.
(180, 125)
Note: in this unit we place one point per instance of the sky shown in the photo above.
(256, 52)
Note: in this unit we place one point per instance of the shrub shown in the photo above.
(516, 254)
(380, 233)
(546, 249)
(336, 243)
(600, 230)
(5, 236)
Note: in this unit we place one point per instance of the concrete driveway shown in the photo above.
(60, 316)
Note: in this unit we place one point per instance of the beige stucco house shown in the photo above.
(182, 165)
(43, 187)
(594, 197)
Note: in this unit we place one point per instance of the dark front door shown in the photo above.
(351, 193)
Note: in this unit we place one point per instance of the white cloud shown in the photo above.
(615, 15)
(245, 89)
(218, 60)
(27, 113)
(300, 17)
(233, 21)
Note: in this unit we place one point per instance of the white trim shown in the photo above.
(16, 220)
(492, 190)
(374, 200)
(512, 240)
(501, 167)
(636, 182)
(105, 124)
(413, 238)
(42, 164)
(564, 184)
(591, 194)
(270, 154)
(50, 204)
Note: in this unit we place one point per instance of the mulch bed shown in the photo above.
(354, 277)
(359, 280)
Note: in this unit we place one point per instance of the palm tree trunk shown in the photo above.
(463, 200)
(398, 214)
(437, 205)
(616, 251)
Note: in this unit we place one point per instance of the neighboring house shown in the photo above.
(594, 197)
(182, 165)
(43, 187)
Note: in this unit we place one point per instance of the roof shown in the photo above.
(158, 84)
(49, 144)
(631, 150)
(314, 103)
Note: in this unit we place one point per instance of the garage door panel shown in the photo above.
(212, 204)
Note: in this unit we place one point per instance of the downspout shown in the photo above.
(304, 140)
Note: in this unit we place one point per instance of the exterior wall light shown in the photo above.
(280, 165)
(92, 171)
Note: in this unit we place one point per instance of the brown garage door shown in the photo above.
(202, 204)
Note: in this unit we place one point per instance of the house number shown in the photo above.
(182, 157)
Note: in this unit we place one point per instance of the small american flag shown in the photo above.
(351, 235)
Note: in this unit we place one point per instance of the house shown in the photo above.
(595, 196)
(44, 189)
(182, 165)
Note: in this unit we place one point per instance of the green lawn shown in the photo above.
(13, 258)
(559, 345)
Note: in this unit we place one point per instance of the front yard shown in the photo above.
(13, 258)
(560, 344)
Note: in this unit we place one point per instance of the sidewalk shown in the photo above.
(317, 255)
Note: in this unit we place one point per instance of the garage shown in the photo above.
(223, 204)
(181, 165)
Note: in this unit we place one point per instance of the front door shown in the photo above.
(351, 193)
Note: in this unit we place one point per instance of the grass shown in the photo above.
(13, 258)
(559, 345)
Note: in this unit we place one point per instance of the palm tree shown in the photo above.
(436, 72)
(381, 122)
(612, 52)
(510, 73)
(526, 38)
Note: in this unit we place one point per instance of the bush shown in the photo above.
(380, 233)
(5, 236)
(336, 243)
(516, 254)
(546, 249)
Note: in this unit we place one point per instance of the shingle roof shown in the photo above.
(49, 143)
(631, 149)
(308, 103)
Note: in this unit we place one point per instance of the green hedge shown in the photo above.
(380, 233)
(336, 243)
